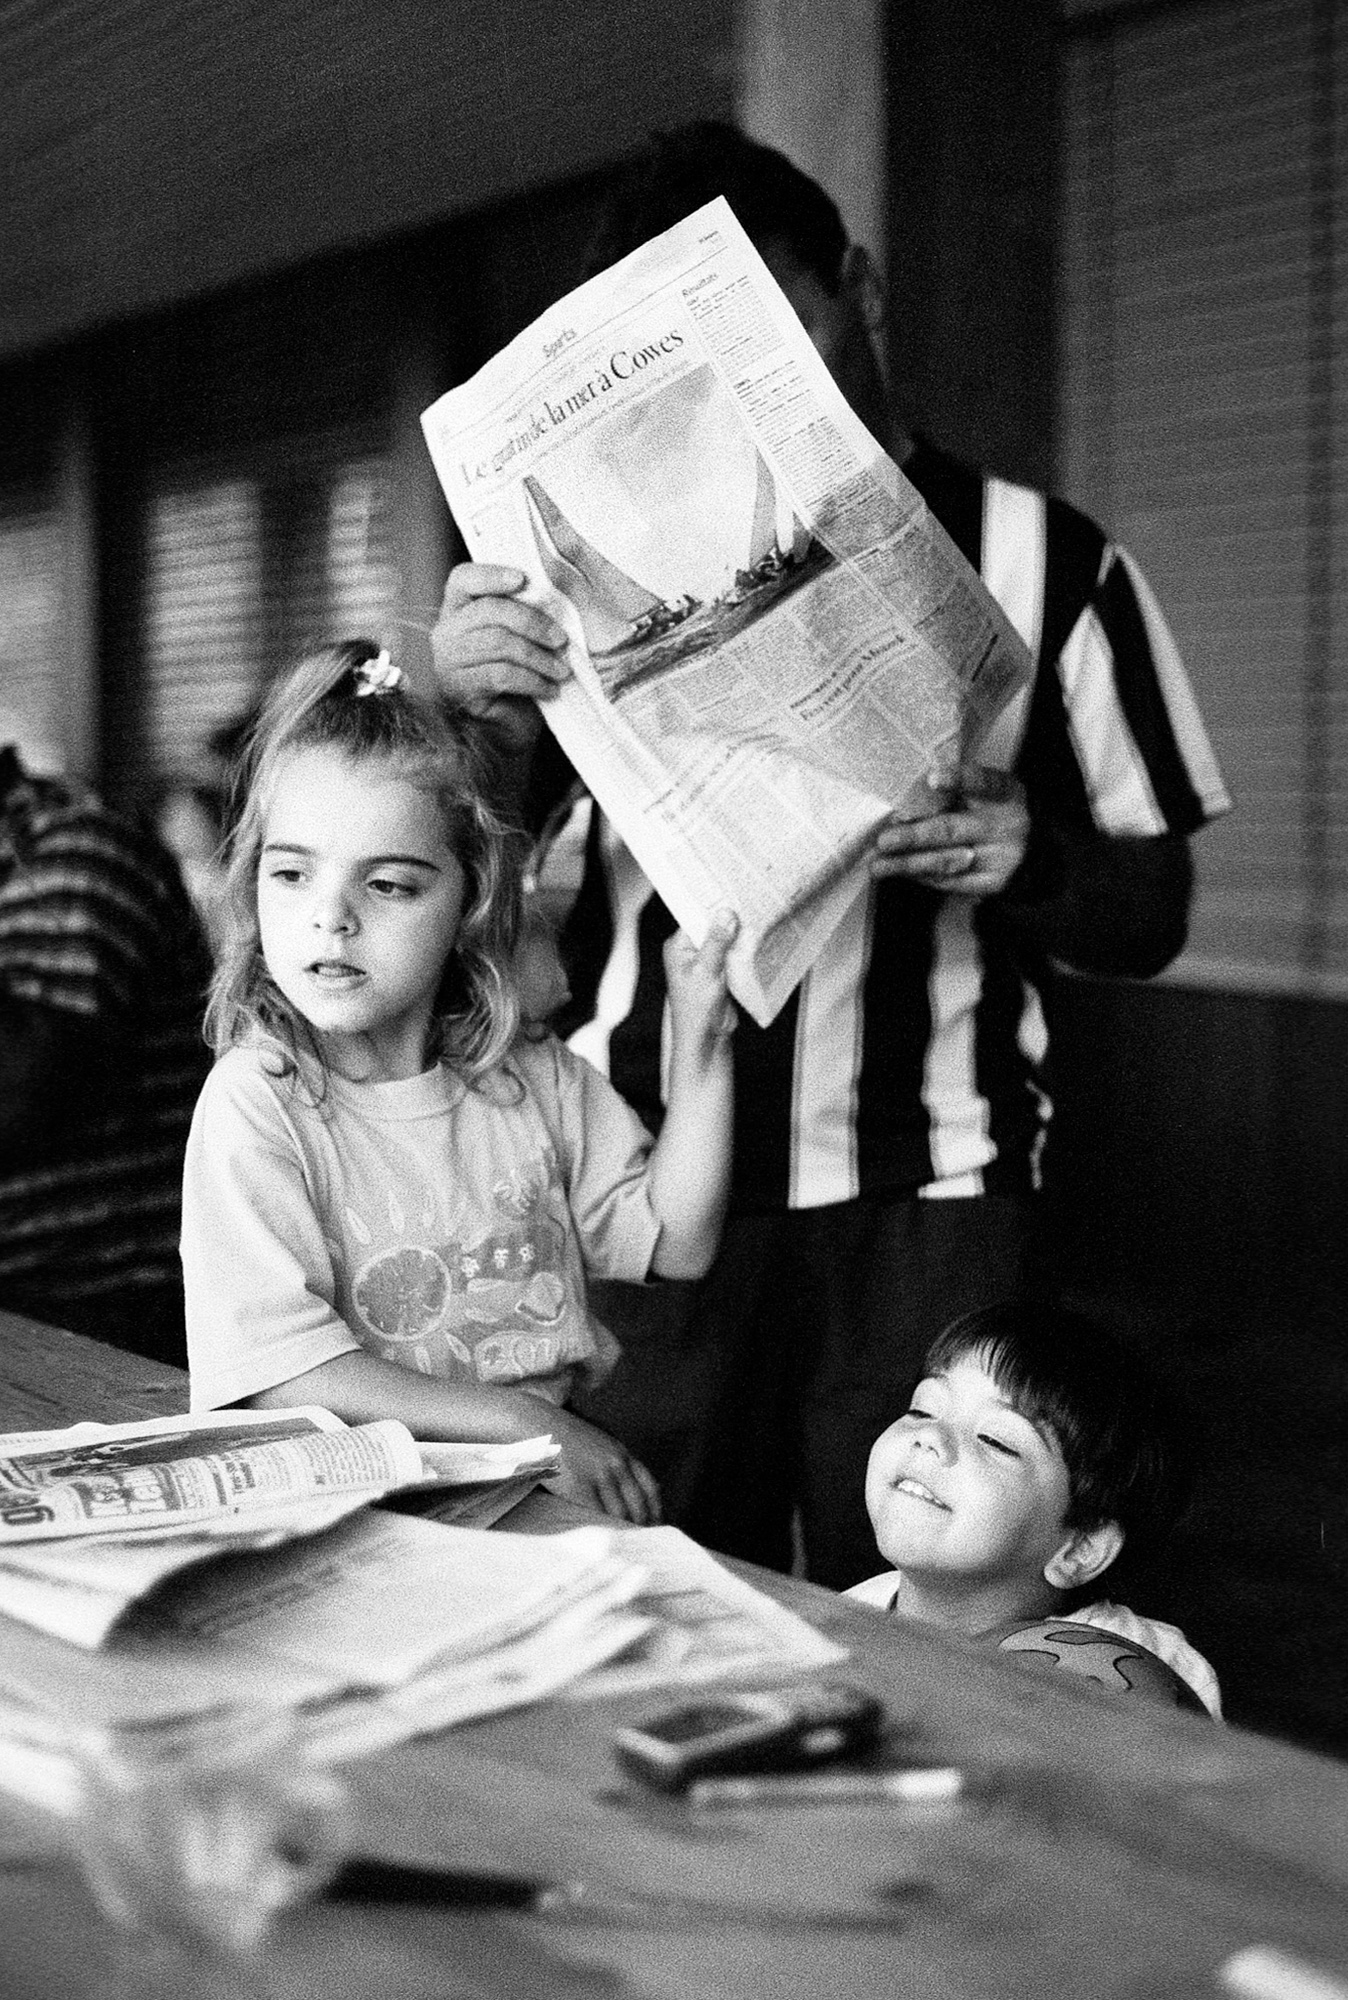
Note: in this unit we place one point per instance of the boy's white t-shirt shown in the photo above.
(1166, 1641)
(446, 1228)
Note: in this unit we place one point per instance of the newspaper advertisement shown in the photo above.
(771, 638)
(224, 1471)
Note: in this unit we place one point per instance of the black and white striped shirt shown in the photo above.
(909, 1060)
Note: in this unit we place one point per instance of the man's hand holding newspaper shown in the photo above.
(968, 837)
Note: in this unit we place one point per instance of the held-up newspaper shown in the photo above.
(771, 638)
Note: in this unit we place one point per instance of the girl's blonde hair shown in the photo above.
(329, 703)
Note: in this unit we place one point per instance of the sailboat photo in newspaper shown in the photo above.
(654, 581)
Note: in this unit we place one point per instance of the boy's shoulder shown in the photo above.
(1110, 1645)
(1103, 1642)
(1093, 1653)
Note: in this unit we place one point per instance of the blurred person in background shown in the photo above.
(193, 812)
(187, 817)
(103, 975)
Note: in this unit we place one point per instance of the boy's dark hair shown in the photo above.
(682, 170)
(1118, 1433)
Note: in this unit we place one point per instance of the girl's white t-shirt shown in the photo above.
(447, 1228)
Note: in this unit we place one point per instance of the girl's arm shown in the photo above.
(361, 1388)
(688, 1179)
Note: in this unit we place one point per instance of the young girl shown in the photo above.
(392, 1194)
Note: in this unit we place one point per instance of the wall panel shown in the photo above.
(1203, 415)
(154, 149)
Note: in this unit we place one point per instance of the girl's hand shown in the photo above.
(700, 1005)
(491, 650)
(598, 1472)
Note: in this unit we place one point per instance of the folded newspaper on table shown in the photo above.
(705, 1624)
(772, 640)
(94, 1517)
(385, 1628)
(227, 1471)
(382, 1628)
(158, 1575)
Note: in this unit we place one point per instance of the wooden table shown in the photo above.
(1104, 1847)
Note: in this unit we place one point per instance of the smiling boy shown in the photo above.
(1029, 1455)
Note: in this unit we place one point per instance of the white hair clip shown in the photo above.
(377, 676)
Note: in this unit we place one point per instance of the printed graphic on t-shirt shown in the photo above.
(499, 1306)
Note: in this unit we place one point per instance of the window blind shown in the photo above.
(31, 567)
(244, 575)
(1203, 417)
